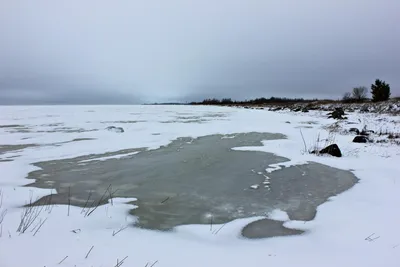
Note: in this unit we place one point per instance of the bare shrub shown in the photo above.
(2, 212)
(359, 93)
(347, 98)
(29, 215)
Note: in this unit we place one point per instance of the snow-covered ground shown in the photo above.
(357, 228)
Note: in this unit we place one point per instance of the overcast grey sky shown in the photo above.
(129, 51)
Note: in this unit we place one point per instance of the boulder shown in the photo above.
(304, 109)
(360, 139)
(115, 129)
(332, 150)
(364, 109)
(312, 107)
(354, 130)
(337, 114)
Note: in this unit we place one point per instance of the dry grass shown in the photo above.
(319, 143)
(30, 215)
(3, 212)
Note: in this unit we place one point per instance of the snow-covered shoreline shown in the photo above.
(340, 234)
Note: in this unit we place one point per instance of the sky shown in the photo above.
(130, 51)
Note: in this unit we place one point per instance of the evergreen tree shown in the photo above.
(380, 91)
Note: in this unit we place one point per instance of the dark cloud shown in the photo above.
(129, 51)
(56, 90)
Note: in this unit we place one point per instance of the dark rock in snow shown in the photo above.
(304, 110)
(115, 129)
(332, 150)
(337, 114)
(360, 139)
(311, 107)
(364, 109)
(354, 130)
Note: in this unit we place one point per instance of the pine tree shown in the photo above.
(380, 91)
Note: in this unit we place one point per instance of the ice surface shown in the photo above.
(180, 183)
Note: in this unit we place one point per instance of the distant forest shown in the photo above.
(257, 101)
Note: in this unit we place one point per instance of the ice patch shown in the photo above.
(119, 156)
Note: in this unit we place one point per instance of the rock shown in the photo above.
(364, 109)
(393, 136)
(312, 107)
(277, 108)
(296, 109)
(288, 122)
(360, 139)
(304, 110)
(354, 130)
(332, 150)
(337, 114)
(115, 129)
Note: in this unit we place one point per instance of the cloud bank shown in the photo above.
(146, 51)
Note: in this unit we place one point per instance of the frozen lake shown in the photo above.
(190, 185)
(197, 181)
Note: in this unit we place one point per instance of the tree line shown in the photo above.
(380, 91)
(256, 101)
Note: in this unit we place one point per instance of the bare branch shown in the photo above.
(63, 260)
(304, 141)
(99, 202)
(120, 230)
(154, 263)
(84, 207)
(119, 263)
(87, 255)
(40, 226)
